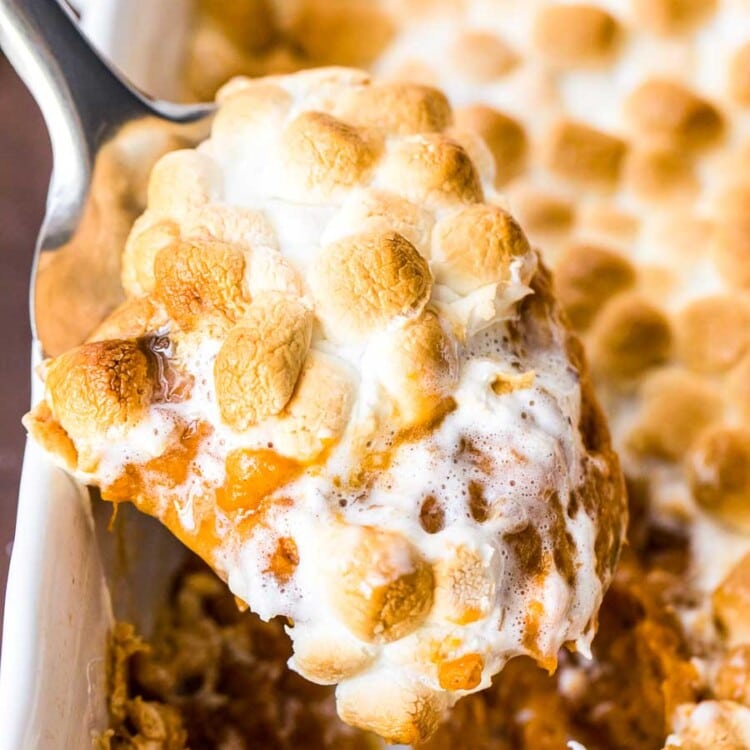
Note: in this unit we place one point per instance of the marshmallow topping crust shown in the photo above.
(342, 379)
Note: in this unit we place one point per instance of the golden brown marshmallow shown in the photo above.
(372, 210)
(381, 588)
(234, 225)
(249, 24)
(199, 282)
(628, 337)
(259, 362)
(463, 591)
(181, 181)
(542, 214)
(504, 136)
(718, 725)
(684, 236)
(671, 16)
(659, 173)
(149, 235)
(575, 35)
(481, 56)
(364, 281)
(738, 388)
(731, 602)
(669, 114)
(327, 659)
(423, 362)
(476, 246)
(99, 387)
(677, 407)
(250, 113)
(713, 332)
(403, 712)
(135, 317)
(607, 221)
(719, 474)
(732, 236)
(324, 154)
(732, 678)
(340, 32)
(582, 154)
(432, 170)
(586, 276)
(739, 76)
(477, 149)
(211, 59)
(318, 410)
(395, 108)
(44, 427)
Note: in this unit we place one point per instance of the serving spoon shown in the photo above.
(87, 106)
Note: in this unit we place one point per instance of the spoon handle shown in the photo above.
(82, 98)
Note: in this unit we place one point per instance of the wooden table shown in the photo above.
(24, 173)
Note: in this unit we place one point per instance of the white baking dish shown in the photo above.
(63, 583)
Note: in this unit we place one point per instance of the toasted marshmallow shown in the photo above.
(671, 16)
(481, 56)
(325, 155)
(200, 281)
(134, 318)
(463, 590)
(721, 725)
(732, 237)
(182, 181)
(719, 476)
(431, 170)
(318, 412)
(396, 108)
(259, 362)
(739, 79)
(504, 136)
(400, 712)
(543, 215)
(677, 407)
(582, 154)
(587, 276)
(420, 368)
(340, 32)
(250, 111)
(475, 247)
(328, 658)
(659, 173)
(149, 235)
(629, 337)
(576, 34)
(397, 283)
(234, 225)
(713, 332)
(379, 585)
(379, 211)
(97, 391)
(668, 113)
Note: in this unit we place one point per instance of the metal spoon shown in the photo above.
(88, 107)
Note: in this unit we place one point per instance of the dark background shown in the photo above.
(25, 164)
